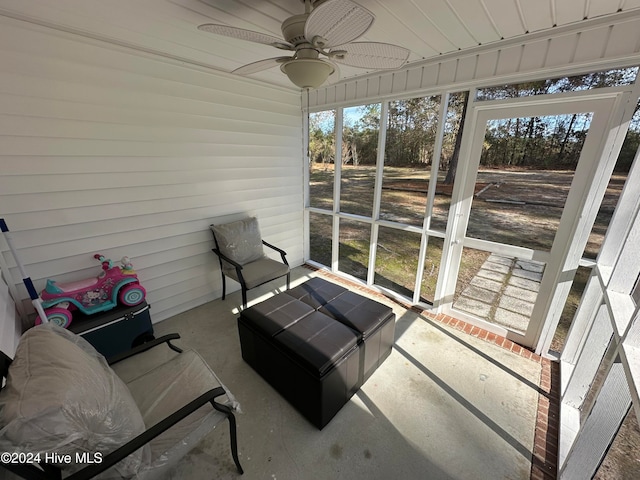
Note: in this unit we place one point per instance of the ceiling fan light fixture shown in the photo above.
(307, 72)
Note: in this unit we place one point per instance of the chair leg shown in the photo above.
(288, 279)
(234, 442)
(232, 432)
(244, 297)
(224, 286)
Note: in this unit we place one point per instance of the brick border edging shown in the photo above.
(545, 453)
(544, 461)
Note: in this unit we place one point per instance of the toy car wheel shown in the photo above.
(132, 294)
(57, 316)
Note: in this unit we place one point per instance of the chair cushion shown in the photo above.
(169, 386)
(240, 241)
(260, 271)
(62, 397)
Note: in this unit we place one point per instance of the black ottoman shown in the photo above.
(371, 321)
(316, 292)
(316, 344)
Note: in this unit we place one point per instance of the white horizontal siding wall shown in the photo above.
(599, 43)
(122, 153)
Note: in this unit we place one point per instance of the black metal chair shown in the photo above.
(239, 247)
(179, 400)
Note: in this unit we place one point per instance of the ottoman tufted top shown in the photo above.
(357, 312)
(276, 314)
(316, 292)
(317, 341)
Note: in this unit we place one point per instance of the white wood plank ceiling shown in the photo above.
(428, 28)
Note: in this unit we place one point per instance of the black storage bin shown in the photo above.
(316, 344)
(115, 331)
(314, 363)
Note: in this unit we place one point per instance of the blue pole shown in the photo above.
(31, 289)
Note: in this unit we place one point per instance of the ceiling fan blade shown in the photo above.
(336, 22)
(248, 35)
(260, 65)
(374, 55)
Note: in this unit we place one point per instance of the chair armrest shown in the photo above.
(279, 250)
(50, 472)
(232, 262)
(146, 436)
(146, 346)
(226, 259)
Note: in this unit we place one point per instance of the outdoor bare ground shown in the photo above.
(517, 207)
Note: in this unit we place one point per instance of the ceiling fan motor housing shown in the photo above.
(293, 29)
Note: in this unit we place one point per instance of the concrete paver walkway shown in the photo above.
(503, 291)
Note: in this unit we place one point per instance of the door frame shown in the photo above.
(596, 163)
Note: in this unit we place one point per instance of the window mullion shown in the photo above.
(377, 193)
(337, 175)
(431, 194)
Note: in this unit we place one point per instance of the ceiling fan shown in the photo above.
(327, 29)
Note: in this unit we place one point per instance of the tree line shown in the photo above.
(551, 142)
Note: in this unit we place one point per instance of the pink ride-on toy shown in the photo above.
(92, 295)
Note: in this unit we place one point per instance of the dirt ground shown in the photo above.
(521, 207)
(622, 462)
(517, 207)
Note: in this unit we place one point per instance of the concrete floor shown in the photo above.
(444, 405)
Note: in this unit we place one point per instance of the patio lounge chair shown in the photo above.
(64, 402)
(239, 247)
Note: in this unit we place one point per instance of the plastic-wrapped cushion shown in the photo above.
(240, 241)
(161, 382)
(62, 397)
